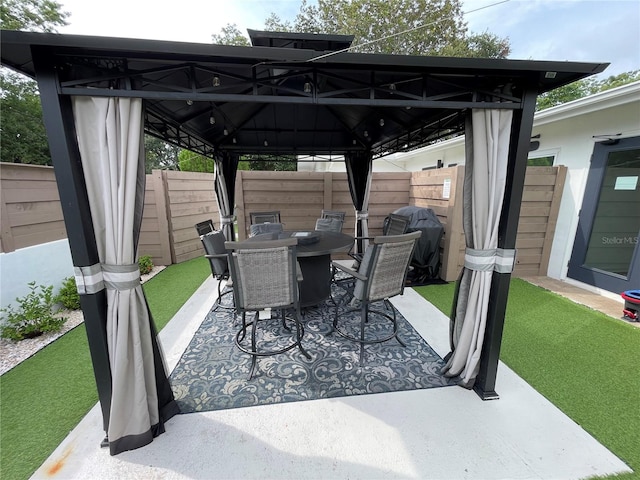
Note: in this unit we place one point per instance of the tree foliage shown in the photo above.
(583, 88)
(160, 154)
(32, 15)
(193, 162)
(22, 134)
(269, 163)
(230, 35)
(425, 27)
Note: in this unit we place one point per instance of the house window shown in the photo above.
(541, 161)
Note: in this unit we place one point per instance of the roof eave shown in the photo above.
(551, 74)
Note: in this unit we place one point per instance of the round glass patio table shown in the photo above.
(314, 251)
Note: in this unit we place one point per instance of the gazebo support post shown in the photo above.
(507, 230)
(60, 126)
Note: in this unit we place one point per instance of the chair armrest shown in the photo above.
(299, 276)
(349, 271)
(363, 238)
(216, 255)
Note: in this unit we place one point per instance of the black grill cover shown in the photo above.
(426, 256)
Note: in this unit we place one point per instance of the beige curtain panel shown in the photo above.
(487, 150)
(110, 139)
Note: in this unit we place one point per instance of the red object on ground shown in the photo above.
(631, 304)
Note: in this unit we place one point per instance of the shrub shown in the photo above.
(68, 295)
(33, 317)
(145, 264)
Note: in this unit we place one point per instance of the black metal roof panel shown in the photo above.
(306, 41)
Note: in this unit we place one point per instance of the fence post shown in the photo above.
(240, 212)
(552, 219)
(161, 197)
(454, 235)
(328, 191)
(6, 238)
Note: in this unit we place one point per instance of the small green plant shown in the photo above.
(33, 317)
(145, 264)
(68, 295)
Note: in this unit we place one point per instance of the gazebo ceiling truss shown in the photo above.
(288, 101)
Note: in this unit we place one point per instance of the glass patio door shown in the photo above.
(605, 252)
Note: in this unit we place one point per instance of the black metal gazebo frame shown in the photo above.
(289, 94)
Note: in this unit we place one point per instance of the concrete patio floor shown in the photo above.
(441, 433)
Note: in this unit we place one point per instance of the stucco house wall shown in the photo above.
(48, 264)
(570, 132)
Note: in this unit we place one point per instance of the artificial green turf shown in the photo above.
(584, 362)
(171, 288)
(44, 398)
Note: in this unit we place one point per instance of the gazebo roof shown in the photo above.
(273, 99)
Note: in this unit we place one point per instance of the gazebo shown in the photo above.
(288, 94)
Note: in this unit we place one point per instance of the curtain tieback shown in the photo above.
(93, 278)
(89, 279)
(226, 220)
(362, 215)
(495, 259)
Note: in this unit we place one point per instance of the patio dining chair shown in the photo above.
(330, 221)
(380, 276)
(267, 227)
(216, 253)
(264, 217)
(333, 214)
(265, 222)
(205, 227)
(265, 275)
(394, 224)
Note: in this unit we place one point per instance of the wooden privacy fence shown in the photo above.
(176, 201)
(441, 190)
(301, 196)
(30, 211)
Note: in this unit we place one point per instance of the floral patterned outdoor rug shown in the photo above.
(213, 374)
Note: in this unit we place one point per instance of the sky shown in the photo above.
(600, 31)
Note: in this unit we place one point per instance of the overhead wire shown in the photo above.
(352, 47)
(419, 27)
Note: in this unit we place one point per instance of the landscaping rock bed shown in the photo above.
(12, 352)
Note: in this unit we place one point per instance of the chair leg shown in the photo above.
(218, 303)
(334, 324)
(363, 319)
(244, 327)
(284, 319)
(299, 334)
(395, 322)
(254, 356)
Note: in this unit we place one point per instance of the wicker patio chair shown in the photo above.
(265, 275)
(267, 227)
(213, 243)
(331, 221)
(265, 222)
(330, 224)
(380, 276)
(394, 224)
(333, 214)
(264, 217)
